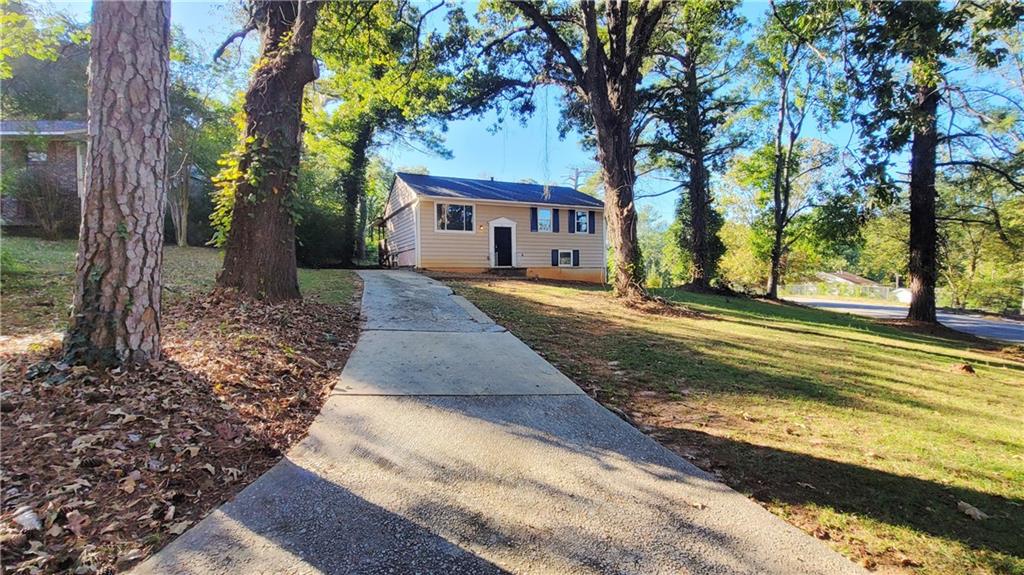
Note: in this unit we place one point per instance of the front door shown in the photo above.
(502, 247)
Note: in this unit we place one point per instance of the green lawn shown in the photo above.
(37, 279)
(862, 434)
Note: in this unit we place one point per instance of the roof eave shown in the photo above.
(506, 202)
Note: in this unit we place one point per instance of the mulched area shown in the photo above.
(101, 468)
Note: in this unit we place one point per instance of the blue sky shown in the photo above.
(513, 152)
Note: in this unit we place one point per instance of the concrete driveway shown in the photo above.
(997, 329)
(449, 446)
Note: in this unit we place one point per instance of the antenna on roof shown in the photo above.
(547, 191)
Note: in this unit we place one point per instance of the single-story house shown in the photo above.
(54, 147)
(471, 226)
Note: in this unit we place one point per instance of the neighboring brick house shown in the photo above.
(55, 147)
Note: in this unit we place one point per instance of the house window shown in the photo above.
(544, 220)
(455, 217)
(36, 153)
(565, 258)
(582, 219)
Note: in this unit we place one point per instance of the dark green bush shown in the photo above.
(318, 236)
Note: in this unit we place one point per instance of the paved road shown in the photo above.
(449, 446)
(998, 329)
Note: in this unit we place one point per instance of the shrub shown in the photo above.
(52, 206)
(318, 236)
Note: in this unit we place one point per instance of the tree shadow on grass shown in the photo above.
(582, 341)
(774, 475)
(742, 308)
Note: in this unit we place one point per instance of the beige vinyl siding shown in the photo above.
(401, 227)
(441, 249)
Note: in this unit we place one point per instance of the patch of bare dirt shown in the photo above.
(101, 468)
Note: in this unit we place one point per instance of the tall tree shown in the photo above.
(259, 257)
(388, 80)
(120, 251)
(697, 100)
(794, 69)
(601, 56)
(201, 128)
(903, 50)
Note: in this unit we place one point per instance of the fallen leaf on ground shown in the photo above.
(971, 511)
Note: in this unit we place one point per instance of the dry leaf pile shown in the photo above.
(101, 468)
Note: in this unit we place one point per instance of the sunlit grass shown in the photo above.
(832, 421)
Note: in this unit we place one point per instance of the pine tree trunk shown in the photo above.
(116, 316)
(698, 186)
(923, 233)
(354, 188)
(259, 256)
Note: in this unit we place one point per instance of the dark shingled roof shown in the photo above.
(466, 189)
(41, 127)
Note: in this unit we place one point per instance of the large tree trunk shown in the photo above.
(697, 189)
(353, 185)
(615, 154)
(116, 315)
(923, 233)
(259, 257)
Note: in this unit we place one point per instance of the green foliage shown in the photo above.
(22, 33)
(50, 85)
(898, 48)
(682, 237)
(744, 266)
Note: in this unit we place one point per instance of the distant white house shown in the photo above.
(845, 278)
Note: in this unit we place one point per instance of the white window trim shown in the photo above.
(560, 252)
(551, 211)
(471, 230)
(586, 220)
(501, 223)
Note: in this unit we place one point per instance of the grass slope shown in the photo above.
(38, 275)
(862, 434)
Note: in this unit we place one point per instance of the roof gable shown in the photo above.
(491, 190)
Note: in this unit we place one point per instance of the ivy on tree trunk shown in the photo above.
(116, 316)
(353, 185)
(259, 257)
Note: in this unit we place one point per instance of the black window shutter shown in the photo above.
(590, 225)
(572, 221)
(533, 219)
(554, 258)
(575, 258)
(554, 220)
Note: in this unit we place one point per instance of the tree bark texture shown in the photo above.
(116, 316)
(923, 232)
(353, 185)
(259, 256)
